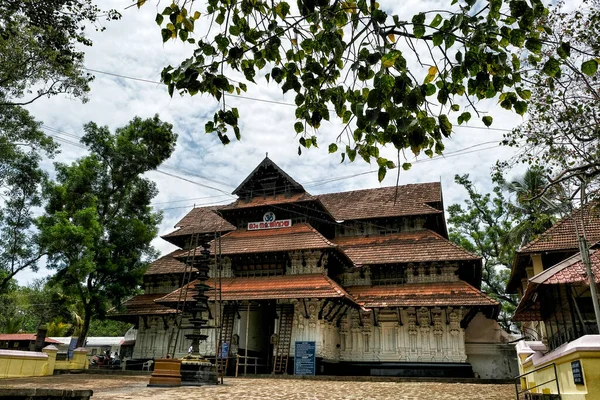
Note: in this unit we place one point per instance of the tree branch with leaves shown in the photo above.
(389, 80)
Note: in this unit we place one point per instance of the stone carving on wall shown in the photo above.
(312, 320)
(226, 270)
(434, 272)
(357, 277)
(412, 331)
(425, 335)
(437, 329)
(306, 262)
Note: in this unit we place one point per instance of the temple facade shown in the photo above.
(369, 276)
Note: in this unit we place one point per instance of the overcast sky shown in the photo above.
(133, 47)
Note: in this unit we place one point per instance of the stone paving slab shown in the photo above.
(134, 388)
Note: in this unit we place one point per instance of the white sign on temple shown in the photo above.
(269, 222)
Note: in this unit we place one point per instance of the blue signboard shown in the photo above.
(304, 358)
(72, 346)
(224, 353)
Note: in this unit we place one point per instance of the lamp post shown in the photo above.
(195, 369)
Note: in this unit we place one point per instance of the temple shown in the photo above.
(369, 276)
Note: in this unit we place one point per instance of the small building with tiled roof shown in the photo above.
(555, 311)
(22, 341)
(369, 276)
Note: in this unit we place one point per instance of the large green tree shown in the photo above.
(22, 145)
(561, 134)
(40, 53)
(494, 225)
(482, 226)
(98, 223)
(388, 78)
(25, 308)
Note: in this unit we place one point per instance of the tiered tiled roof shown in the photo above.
(430, 294)
(572, 271)
(297, 237)
(269, 200)
(563, 235)
(404, 247)
(200, 220)
(168, 264)
(142, 304)
(267, 288)
(384, 202)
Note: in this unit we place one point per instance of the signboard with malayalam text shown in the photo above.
(269, 222)
(577, 372)
(304, 358)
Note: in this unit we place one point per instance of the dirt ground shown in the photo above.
(119, 387)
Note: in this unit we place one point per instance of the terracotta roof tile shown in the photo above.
(438, 294)
(24, 337)
(572, 270)
(200, 220)
(575, 272)
(300, 236)
(563, 236)
(168, 264)
(268, 288)
(142, 304)
(383, 202)
(404, 247)
(268, 200)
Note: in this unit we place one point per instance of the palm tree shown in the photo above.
(536, 213)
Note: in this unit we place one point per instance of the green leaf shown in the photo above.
(159, 19)
(166, 34)
(455, 107)
(552, 67)
(438, 38)
(517, 37)
(333, 148)
(418, 27)
(388, 60)
(406, 166)
(381, 173)
(564, 50)
(487, 120)
(445, 125)
(534, 45)
(589, 67)
(436, 21)
(299, 127)
(520, 107)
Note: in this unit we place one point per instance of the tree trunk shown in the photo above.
(84, 329)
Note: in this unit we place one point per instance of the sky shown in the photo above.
(132, 47)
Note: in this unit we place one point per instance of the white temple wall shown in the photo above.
(487, 349)
(424, 336)
(324, 334)
(152, 338)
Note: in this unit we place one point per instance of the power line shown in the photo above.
(55, 130)
(158, 170)
(184, 200)
(282, 103)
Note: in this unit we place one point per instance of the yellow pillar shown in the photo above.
(538, 267)
(80, 360)
(51, 352)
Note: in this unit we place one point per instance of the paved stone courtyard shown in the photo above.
(117, 387)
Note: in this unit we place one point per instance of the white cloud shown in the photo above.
(133, 47)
